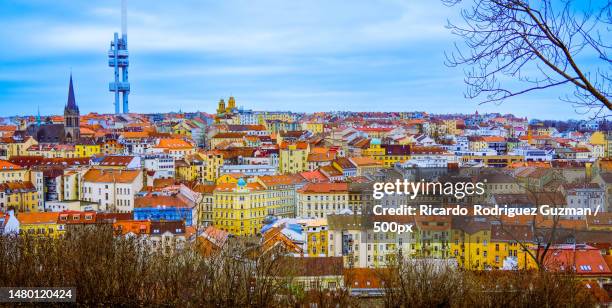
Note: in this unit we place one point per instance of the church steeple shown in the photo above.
(38, 121)
(71, 116)
(71, 104)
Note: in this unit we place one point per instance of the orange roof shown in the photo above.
(134, 226)
(314, 176)
(116, 160)
(584, 259)
(233, 186)
(361, 161)
(538, 164)
(8, 128)
(365, 278)
(5, 165)
(165, 201)
(299, 145)
(38, 218)
(232, 135)
(319, 150)
(318, 188)
(174, 144)
(541, 137)
(77, 217)
(111, 176)
(581, 149)
(493, 139)
(86, 131)
(204, 188)
(17, 186)
(320, 157)
(285, 179)
(134, 135)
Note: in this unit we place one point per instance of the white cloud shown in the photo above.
(269, 28)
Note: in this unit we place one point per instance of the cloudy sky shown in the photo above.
(315, 55)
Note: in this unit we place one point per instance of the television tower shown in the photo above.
(118, 58)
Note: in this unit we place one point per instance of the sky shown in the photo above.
(303, 56)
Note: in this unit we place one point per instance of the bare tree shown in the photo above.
(541, 235)
(539, 44)
(421, 283)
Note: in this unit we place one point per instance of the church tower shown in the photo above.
(221, 107)
(231, 105)
(71, 116)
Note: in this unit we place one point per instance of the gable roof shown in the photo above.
(111, 176)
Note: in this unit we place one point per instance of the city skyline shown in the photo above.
(382, 56)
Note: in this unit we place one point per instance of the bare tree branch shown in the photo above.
(538, 43)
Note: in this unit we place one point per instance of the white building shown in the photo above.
(532, 154)
(248, 170)
(584, 195)
(113, 190)
(162, 164)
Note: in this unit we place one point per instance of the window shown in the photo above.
(313, 285)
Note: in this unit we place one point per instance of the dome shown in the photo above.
(241, 182)
(375, 141)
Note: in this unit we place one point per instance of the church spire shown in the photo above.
(71, 104)
(38, 121)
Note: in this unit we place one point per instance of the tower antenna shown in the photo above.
(118, 58)
(124, 17)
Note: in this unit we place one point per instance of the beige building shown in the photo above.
(10, 172)
(320, 199)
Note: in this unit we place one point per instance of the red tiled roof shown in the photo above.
(318, 188)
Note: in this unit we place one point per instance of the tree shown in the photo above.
(543, 236)
(539, 44)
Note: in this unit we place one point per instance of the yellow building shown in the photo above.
(451, 127)
(205, 203)
(314, 127)
(10, 172)
(20, 195)
(469, 244)
(73, 180)
(52, 150)
(224, 110)
(316, 238)
(293, 157)
(190, 168)
(87, 149)
(213, 161)
(598, 145)
(389, 154)
(41, 224)
(240, 208)
(229, 178)
(505, 247)
(11, 147)
(608, 145)
(375, 151)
